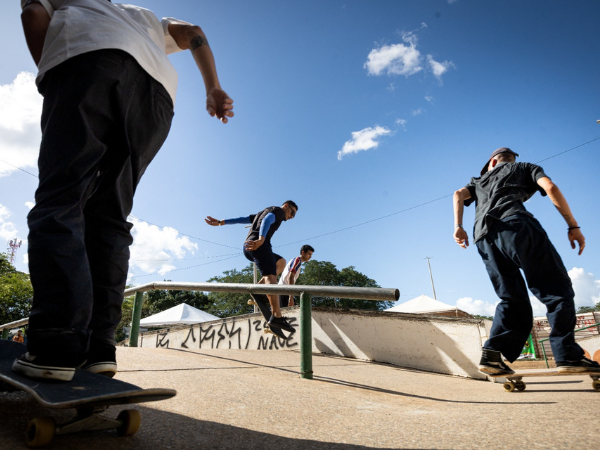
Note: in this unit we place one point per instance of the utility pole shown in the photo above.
(431, 276)
(13, 246)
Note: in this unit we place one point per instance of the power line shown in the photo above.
(183, 234)
(17, 167)
(341, 229)
(182, 259)
(190, 267)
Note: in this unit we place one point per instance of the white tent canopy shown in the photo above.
(423, 305)
(180, 314)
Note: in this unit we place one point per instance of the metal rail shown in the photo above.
(304, 291)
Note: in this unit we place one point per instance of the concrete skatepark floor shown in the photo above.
(255, 399)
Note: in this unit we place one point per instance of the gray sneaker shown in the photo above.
(583, 365)
(491, 363)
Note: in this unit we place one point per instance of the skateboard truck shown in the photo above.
(40, 431)
(516, 381)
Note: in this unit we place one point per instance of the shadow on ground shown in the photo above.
(159, 429)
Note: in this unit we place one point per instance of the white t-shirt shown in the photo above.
(291, 271)
(82, 26)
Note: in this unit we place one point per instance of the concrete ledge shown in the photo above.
(431, 343)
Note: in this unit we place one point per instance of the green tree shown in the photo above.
(157, 301)
(226, 304)
(324, 273)
(16, 292)
(588, 309)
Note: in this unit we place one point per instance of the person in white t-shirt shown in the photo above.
(291, 273)
(109, 91)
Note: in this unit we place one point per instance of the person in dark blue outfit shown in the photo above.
(509, 239)
(257, 248)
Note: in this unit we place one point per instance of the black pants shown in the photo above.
(520, 243)
(103, 121)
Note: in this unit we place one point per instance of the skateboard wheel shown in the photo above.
(130, 419)
(509, 387)
(251, 302)
(40, 432)
(596, 385)
(520, 385)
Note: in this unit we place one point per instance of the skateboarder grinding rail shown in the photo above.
(108, 90)
(292, 272)
(257, 248)
(509, 238)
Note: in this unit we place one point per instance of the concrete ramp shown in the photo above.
(425, 342)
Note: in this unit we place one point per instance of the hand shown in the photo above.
(219, 104)
(212, 221)
(291, 301)
(254, 245)
(575, 235)
(461, 237)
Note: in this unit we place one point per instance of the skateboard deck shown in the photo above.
(90, 394)
(262, 301)
(515, 381)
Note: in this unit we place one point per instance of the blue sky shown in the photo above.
(356, 110)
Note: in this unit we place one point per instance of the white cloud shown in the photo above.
(30, 205)
(416, 112)
(429, 99)
(586, 287)
(476, 307)
(402, 123)
(404, 59)
(538, 307)
(396, 59)
(439, 68)
(363, 140)
(8, 230)
(152, 244)
(20, 111)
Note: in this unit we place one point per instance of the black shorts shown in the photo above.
(265, 259)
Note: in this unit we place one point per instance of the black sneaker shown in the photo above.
(584, 365)
(102, 360)
(282, 323)
(492, 364)
(44, 368)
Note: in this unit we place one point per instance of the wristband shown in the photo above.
(573, 228)
(458, 226)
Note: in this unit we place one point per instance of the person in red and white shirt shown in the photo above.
(291, 273)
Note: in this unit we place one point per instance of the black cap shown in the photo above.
(494, 153)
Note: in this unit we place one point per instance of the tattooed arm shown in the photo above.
(559, 201)
(35, 20)
(191, 37)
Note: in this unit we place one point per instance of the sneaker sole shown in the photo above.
(107, 369)
(491, 371)
(44, 373)
(577, 369)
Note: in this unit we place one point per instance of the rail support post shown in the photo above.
(5, 333)
(305, 337)
(136, 315)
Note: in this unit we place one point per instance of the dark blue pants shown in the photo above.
(264, 258)
(103, 120)
(520, 243)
